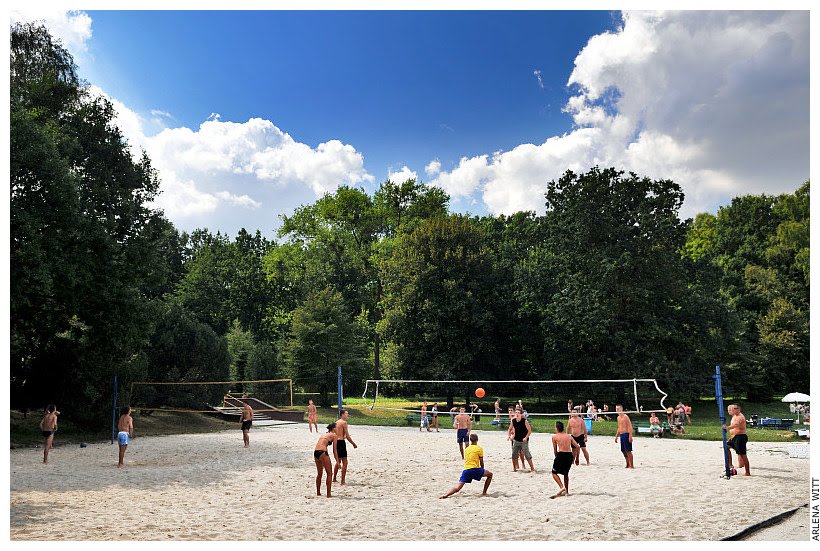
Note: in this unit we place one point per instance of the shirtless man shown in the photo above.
(425, 421)
(311, 412)
(625, 434)
(578, 431)
(343, 433)
(48, 426)
(519, 432)
(497, 407)
(247, 422)
(126, 427)
(464, 425)
(655, 426)
(737, 428)
(322, 458)
(565, 448)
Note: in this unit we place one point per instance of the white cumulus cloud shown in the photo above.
(433, 167)
(73, 28)
(402, 175)
(717, 101)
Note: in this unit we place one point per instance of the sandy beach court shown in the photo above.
(199, 486)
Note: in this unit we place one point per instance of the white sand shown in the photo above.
(200, 486)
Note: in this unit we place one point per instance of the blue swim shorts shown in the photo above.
(123, 438)
(468, 475)
(462, 436)
(626, 445)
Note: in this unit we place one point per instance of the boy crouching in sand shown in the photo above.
(473, 467)
(562, 444)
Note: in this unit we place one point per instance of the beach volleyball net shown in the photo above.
(204, 396)
(545, 398)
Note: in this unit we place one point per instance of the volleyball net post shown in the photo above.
(719, 401)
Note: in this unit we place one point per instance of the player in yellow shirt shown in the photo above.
(473, 467)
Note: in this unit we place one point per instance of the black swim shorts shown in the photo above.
(341, 449)
(246, 425)
(738, 443)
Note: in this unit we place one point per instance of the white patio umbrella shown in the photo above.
(796, 397)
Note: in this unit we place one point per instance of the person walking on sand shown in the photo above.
(125, 426)
(48, 426)
(434, 413)
(578, 431)
(463, 425)
(473, 468)
(425, 421)
(565, 449)
(737, 429)
(519, 432)
(247, 421)
(322, 458)
(343, 434)
(311, 413)
(497, 407)
(625, 435)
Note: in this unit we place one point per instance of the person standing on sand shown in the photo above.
(311, 413)
(343, 433)
(247, 421)
(737, 428)
(463, 425)
(434, 412)
(578, 431)
(322, 458)
(126, 427)
(565, 449)
(48, 426)
(473, 468)
(497, 406)
(625, 434)
(425, 421)
(519, 432)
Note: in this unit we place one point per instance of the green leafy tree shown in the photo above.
(323, 337)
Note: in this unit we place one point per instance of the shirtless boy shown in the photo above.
(48, 426)
(578, 431)
(565, 448)
(625, 434)
(247, 422)
(322, 459)
(425, 421)
(473, 468)
(343, 433)
(464, 424)
(126, 427)
(311, 412)
(737, 428)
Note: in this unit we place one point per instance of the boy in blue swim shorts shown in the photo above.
(462, 424)
(625, 435)
(126, 427)
(473, 468)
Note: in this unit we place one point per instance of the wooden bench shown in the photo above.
(643, 427)
(414, 419)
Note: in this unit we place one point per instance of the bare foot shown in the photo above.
(561, 493)
(443, 497)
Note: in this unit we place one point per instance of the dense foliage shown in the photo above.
(608, 283)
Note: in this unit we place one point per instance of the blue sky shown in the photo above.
(249, 114)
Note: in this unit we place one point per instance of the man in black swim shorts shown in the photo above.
(737, 428)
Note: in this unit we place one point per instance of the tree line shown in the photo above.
(609, 283)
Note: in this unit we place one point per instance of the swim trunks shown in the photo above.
(468, 475)
(48, 433)
(580, 441)
(317, 454)
(123, 438)
(562, 463)
(462, 436)
(738, 443)
(425, 422)
(246, 425)
(626, 445)
(341, 448)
